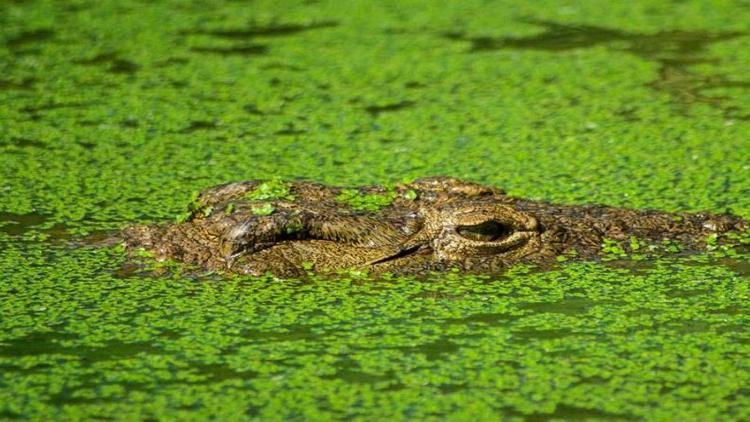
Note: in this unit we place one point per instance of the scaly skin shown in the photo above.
(449, 224)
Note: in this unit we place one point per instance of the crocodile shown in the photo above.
(433, 224)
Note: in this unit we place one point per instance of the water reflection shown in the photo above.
(246, 35)
(675, 52)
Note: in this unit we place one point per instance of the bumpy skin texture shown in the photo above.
(433, 224)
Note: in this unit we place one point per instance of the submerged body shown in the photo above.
(432, 224)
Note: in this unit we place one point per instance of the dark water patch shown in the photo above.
(628, 114)
(71, 396)
(252, 109)
(241, 50)
(738, 266)
(398, 31)
(274, 82)
(66, 398)
(53, 106)
(292, 333)
(123, 67)
(282, 66)
(674, 51)
(248, 34)
(484, 318)
(690, 327)
(687, 293)
(36, 344)
(570, 412)
(24, 143)
(87, 123)
(593, 380)
(574, 306)
(18, 224)
(145, 269)
(218, 373)
(290, 132)
(75, 8)
(28, 52)
(350, 372)
(170, 334)
(358, 377)
(24, 84)
(30, 37)
(116, 64)
(671, 46)
(737, 332)
(100, 239)
(115, 349)
(130, 122)
(739, 396)
(197, 125)
(36, 368)
(128, 269)
(414, 85)
(435, 350)
(172, 61)
(731, 310)
(87, 145)
(7, 414)
(687, 87)
(376, 111)
(543, 334)
(635, 266)
(450, 388)
(101, 58)
(263, 31)
(58, 232)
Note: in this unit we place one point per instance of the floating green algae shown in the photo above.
(366, 201)
(84, 337)
(271, 189)
(263, 209)
(194, 207)
(113, 113)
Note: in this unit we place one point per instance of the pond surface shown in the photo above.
(113, 113)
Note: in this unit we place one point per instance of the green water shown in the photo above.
(115, 112)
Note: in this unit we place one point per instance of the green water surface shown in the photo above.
(115, 112)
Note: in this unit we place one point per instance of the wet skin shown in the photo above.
(433, 224)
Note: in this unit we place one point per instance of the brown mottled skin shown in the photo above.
(449, 224)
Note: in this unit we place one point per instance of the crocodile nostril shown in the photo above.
(489, 231)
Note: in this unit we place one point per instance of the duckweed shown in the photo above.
(112, 113)
(195, 206)
(613, 249)
(410, 194)
(272, 189)
(265, 208)
(86, 336)
(366, 202)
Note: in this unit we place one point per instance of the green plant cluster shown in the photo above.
(263, 209)
(112, 113)
(88, 335)
(271, 189)
(194, 208)
(366, 202)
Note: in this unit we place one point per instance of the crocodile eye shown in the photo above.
(489, 231)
